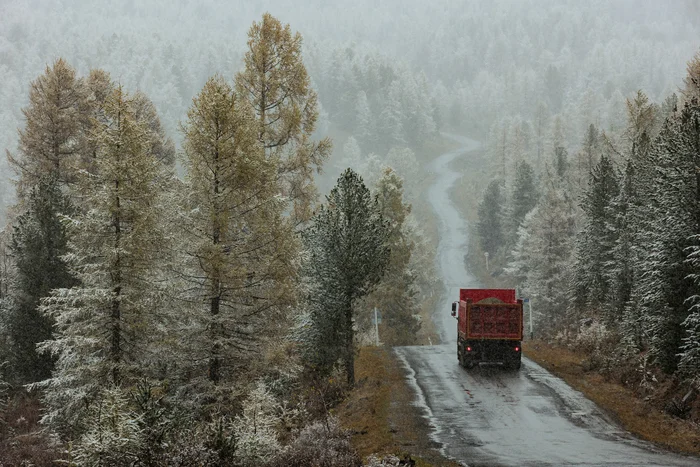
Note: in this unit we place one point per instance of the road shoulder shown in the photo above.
(381, 415)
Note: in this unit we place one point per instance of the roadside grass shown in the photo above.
(380, 415)
(636, 415)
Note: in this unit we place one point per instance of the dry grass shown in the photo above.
(21, 440)
(634, 414)
(380, 415)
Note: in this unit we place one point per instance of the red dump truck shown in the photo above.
(490, 327)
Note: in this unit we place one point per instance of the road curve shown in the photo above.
(490, 417)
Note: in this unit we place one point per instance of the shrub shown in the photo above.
(255, 430)
(113, 436)
(321, 444)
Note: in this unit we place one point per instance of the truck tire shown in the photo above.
(512, 365)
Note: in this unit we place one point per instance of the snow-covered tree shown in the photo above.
(621, 271)
(669, 225)
(39, 242)
(523, 197)
(403, 162)
(112, 434)
(240, 249)
(348, 253)
(490, 225)
(596, 240)
(257, 440)
(641, 124)
(396, 294)
(105, 324)
(543, 253)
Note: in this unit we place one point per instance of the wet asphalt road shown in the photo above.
(491, 417)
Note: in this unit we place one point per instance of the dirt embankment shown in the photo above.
(381, 415)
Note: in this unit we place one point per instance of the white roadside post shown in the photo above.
(376, 326)
(529, 305)
(486, 253)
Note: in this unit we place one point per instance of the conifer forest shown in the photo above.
(213, 213)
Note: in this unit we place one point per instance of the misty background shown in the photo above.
(468, 67)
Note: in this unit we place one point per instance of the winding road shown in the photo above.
(490, 417)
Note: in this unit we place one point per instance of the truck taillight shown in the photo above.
(469, 349)
(517, 349)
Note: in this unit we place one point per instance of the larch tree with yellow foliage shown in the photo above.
(240, 246)
(276, 84)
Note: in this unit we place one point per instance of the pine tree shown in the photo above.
(597, 239)
(692, 80)
(162, 147)
(621, 269)
(105, 325)
(99, 87)
(390, 127)
(348, 253)
(561, 161)
(363, 120)
(642, 124)
(277, 85)
(396, 294)
(591, 148)
(51, 142)
(670, 223)
(524, 196)
(240, 249)
(112, 434)
(490, 218)
(39, 243)
(543, 254)
(255, 428)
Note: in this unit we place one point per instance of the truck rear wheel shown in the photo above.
(512, 365)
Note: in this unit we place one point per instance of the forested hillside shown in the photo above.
(538, 57)
(204, 319)
(202, 204)
(603, 239)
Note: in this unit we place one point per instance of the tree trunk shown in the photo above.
(215, 360)
(115, 348)
(349, 346)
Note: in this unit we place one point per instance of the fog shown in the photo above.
(460, 66)
(545, 146)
